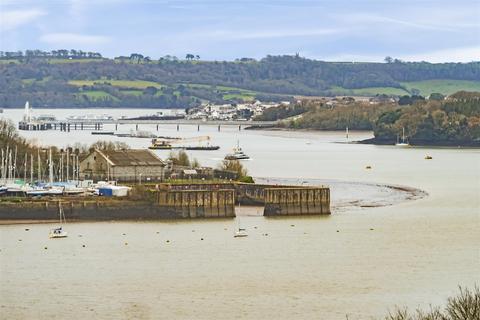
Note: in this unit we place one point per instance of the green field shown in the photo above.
(368, 91)
(132, 92)
(135, 84)
(245, 97)
(97, 95)
(66, 60)
(445, 87)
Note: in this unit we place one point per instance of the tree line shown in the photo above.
(62, 53)
(269, 77)
(452, 121)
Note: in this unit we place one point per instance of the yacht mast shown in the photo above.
(14, 168)
(39, 167)
(68, 164)
(50, 166)
(2, 168)
(25, 168)
(31, 168)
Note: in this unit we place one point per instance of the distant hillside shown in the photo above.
(135, 81)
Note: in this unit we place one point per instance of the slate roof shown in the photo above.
(131, 157)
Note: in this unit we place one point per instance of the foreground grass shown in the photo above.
(464, 306)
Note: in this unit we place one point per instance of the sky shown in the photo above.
(330, 30)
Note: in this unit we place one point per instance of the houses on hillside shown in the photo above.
(225, 112)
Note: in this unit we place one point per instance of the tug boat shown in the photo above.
(160, 145)
(237, 154)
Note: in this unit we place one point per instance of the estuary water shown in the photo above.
(380, 248)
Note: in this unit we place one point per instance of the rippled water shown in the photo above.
(360, 261)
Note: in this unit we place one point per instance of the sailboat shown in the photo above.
(59, 232)
(403, 143)
(240, 232)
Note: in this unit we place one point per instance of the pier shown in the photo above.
(97, 125)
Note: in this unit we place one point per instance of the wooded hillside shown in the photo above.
(93, 81)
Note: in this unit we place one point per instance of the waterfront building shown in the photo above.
(122, 165)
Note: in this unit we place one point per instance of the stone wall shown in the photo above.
(197, 203)
(297, 201)
(176, 202)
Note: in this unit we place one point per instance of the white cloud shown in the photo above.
(461, 54)
(73, 39)
(12, 19)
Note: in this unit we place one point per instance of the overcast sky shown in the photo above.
(332, 30)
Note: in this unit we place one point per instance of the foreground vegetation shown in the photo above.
(89, 80)
(464, 306)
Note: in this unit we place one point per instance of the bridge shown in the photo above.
(97, 124)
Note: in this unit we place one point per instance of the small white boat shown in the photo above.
(37, 192)
(240, 233)
(403, 143)
(3, 190)
(59, 232)
(73, 190)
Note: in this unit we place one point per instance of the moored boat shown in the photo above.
(59, 232)
(237, 154)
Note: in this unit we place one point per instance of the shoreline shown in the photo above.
(340, 204)
(373, 141)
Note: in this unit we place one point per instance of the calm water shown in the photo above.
(417, 253)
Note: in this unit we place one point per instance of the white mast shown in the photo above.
(39, 168)
(2, 167)
(50, 166)
(14, 168)
(61, 165)
(25, 169)
(31, 168)
(68, 164)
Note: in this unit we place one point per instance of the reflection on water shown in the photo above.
(358, 262)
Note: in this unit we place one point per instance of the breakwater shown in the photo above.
(175, 201)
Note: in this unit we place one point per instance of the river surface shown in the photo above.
(381, 247)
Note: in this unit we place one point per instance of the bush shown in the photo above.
(246, 179)
(464, 306)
